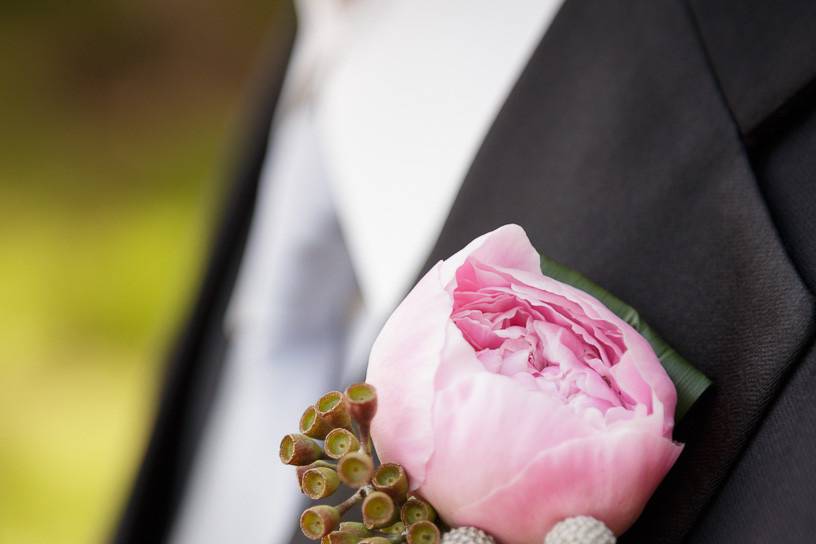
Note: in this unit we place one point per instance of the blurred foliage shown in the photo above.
(115, 118)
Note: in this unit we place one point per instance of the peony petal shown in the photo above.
(458, 361)
(609, 476)
(402, 366)
(486, 429)
(507, 246)
(642, 372)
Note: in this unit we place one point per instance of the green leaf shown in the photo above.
(689, 382)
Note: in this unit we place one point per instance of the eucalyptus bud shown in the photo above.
(355, 469)
(375, 540)
(318, 521)
(354, 528)
(340, 442)
(300, 471)
(299, 449)
(341, 537)
(311, 424)
(349, 532)
(333, 408)
(415, 510)
(320, 482)
(423, 532)
(379, 510)
(396, 529)
(362, 398)
(391, 479)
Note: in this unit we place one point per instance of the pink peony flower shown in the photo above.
(515, 401)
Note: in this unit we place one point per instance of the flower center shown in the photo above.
(541, 339)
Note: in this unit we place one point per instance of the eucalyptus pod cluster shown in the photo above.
(334, 447)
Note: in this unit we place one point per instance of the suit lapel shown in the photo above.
(617, 153)
(763, 53)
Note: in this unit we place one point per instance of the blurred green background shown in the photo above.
(115, 121)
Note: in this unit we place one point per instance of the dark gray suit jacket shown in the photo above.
(667, 150)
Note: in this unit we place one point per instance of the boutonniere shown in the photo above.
(514, 400)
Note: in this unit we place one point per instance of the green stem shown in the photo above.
(365, 437)
(344, 506)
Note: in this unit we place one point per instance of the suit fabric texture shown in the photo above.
(667, 150)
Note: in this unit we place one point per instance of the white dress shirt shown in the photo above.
(384, 107)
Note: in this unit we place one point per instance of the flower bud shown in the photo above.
(396, 529)
(362, 399)
(415, 510)
(341, 537)
(379, 510)
(318, 521)
(423, 532)
(300, 471)
(391, 479)
(333, 408)
(355, 469)
(311, 424)
(354, 528)
(375, 540)
(340, 442)
(298, 449)
(319, 483)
